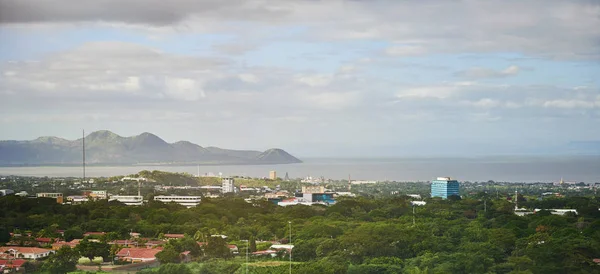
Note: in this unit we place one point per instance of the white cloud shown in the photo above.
(571, 104)
(479, 72)
(249, 78)
(314, 80)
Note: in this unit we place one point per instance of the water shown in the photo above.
(512, 169)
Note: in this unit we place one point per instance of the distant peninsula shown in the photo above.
(107, 148)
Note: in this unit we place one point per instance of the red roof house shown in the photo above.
(12, 264)
(135, 254)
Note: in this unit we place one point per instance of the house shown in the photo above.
(11, 265)
(185, 257)
(234, 249)
(136, 255)
(71, 244)
(44, 241)
(268, 252)
(26, 252)
(151, 244)
(93, 233)
(174, 236)
(124, 243)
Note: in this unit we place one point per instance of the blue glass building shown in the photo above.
(444, 187)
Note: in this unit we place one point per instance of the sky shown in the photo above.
(345, 78)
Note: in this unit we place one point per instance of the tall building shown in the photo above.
(227, 185)
(273, 175)
(444, 187)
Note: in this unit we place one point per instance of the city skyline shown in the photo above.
(316, 78)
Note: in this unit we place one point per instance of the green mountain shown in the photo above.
(106, 148)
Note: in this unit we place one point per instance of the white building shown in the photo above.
(227, 185)
(187, 201)
(26, 252)
(4, 192)
(558, 211)
(141, 179)
(134, 200)
(98, 194)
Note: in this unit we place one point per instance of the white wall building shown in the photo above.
(227, 185)
(187, 201)
(134, 200)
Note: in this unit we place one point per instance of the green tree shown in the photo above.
(91, 249)
(216, 247)
(168, 255)
(63, 261)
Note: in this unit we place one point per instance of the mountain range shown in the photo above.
(107, 148)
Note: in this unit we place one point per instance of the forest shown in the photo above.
(356, 235)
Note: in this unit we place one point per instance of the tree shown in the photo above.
(4, 235)
(216, 247)
(93, 249)
(168, 255)
(252, 243)
(174, 269)
(73, 233)
(63, 261)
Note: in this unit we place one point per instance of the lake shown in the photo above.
(504, 168)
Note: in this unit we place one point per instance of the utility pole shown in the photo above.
(413, 215)
(247, 247)
(485, 205)
(290, 223)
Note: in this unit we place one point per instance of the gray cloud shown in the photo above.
(413, 27)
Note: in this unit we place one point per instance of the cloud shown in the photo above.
(405, 51)
(481, 73)
(111, 70)
(410, 27)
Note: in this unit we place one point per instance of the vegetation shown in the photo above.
(476, 234)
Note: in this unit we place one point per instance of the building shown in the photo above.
(136, 255)
(71, 244)
(77, 199)
(57, 196)
(273, 175)
(444, 187)
(98, 194)
(174, 236)
(10, 266)
(26, 252)
(140, 179)
(187, 201)
(4, 192)
(227, 185)
(134, 200)
(313, 189)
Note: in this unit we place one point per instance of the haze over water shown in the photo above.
(512, 169)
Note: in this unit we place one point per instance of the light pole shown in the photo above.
(290, 224)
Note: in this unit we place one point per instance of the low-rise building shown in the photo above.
(71, 244)
(130, 200)
(4, 192)
(57, 196)
(10, 266)
(187, 201)
(26, 252)
(174, 236)
(136, 255)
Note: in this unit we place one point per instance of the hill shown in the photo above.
(107, 148)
